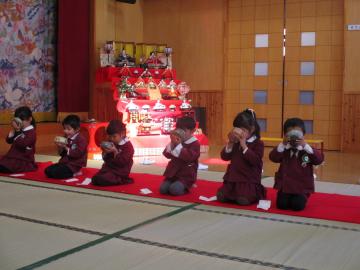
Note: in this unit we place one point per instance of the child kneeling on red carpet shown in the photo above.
(244, 150)
(294, 179)
(183, 152)
(22, 137)
(72, 148)
(118, 155)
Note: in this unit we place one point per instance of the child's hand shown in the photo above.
(244, 134)
(232, 137)
(15, 126)
(285, 140)
(242, 140)
(112, 149)
(11, 133)
(301, 142)
(61, 148)
(106, 151)
(242, 137)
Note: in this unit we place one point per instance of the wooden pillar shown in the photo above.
(351, 82)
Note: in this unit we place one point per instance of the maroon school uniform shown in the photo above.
(184, 162)
(243, 174)
(116, 169)
(295, 174)
(20, 157)
(76, 157)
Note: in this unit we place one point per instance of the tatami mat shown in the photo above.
(277, 217)
(124, 255)
(290, 244)
(41, 221)
(22, 243)
(75, 209)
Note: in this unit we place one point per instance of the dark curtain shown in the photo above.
(73, 55)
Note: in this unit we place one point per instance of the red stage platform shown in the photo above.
(151, 145)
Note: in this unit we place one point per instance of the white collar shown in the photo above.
(252, 139)
(74, 136)
(123, 141)
(298, 148)
(191, 140)
(28, 128)
(294, 151)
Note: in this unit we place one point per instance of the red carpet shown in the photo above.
(215, 161)
(321, 205)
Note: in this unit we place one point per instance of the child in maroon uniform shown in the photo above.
(117, 155)
(181, 171)
(22, 137)
(73, 153)
(242, 180)
(294, 180)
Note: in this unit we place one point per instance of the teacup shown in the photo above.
(106, 144)
(179, 133)
(60, 139)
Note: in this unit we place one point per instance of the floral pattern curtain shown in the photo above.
(27, 54)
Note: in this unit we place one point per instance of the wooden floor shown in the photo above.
(338, 167)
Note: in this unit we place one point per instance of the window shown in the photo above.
(260, 96)
(307, 68)
(261, 40)
(308, 39)
(261, 69)
(309, 126)
(306, 97)
(263, 124)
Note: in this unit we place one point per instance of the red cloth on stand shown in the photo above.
(105, 74)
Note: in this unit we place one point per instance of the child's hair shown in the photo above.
(247, 119)
(115, 126)
(24, 113)
(294, 122)
(72, 120)
(186, 122)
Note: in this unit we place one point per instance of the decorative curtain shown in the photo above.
(73, 56)
(27, 57)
